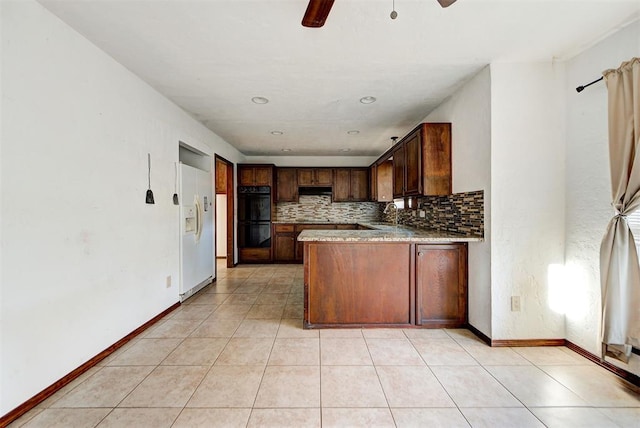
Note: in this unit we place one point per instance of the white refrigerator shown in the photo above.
(197, 233)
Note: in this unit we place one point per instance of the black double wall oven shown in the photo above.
(254, 217)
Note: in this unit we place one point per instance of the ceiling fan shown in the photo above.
(318, 10)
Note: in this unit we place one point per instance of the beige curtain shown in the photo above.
(619, 269)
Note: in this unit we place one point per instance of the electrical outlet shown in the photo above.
(515, 303)
(169, 281)
(422, 214)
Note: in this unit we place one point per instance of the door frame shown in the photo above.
(230, 210)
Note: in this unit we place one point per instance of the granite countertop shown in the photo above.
(384, 232)
(314, 222)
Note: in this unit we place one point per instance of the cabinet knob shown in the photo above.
(420, 253)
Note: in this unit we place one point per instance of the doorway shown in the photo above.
(224, 210)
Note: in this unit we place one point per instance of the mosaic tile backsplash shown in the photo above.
(313, 208)
(458, 213)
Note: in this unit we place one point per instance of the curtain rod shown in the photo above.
(581, 88)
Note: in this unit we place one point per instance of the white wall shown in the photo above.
(527, 197)
(84, 259)
(588, 203)
(469, 111)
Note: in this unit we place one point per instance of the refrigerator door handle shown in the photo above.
(201, 219)
(198, 218)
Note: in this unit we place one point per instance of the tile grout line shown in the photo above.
(255, 399)
(437, 379)
(375, 368)
(216, 359)
(500, 383)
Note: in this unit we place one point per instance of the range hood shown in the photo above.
(314, 191)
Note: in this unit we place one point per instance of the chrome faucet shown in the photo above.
(388, 207)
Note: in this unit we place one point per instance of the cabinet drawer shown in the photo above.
(284, 228)
(254, 255)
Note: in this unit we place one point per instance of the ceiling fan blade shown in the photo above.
(317, 12)
(446, 3)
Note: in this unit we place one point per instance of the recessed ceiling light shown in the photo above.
(277, 132)
(368, 100)
(354, 132)
(345, 150)
(286, 150)
(259, 100)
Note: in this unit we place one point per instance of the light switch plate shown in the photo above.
(515, 303)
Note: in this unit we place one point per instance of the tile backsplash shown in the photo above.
(458, 213)
(314, 208)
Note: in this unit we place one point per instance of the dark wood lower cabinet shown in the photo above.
(441, 285)
(287, 249)
(285, 243)
(357, 284)
(360, 284)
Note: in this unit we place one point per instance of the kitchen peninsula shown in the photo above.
(386, 276)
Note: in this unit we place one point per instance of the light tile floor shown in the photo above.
(235, 354)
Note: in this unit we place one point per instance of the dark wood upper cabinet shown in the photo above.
(351, 184)
(422, 162)
(221, 176)
(315, 177)
(324, 176)
(413, 169)
(342, 185)
(359, 184)
(255, 175)
(287, 185)
(373, 183)
(384, 181)
(398, 171)
(305, 176)
(436, 159)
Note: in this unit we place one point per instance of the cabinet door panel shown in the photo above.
(436, 160)
(385, 181)
(359, 184)
(358, 283)
(287, 185)
(413, 159)
(221, 177)
(341, 185)
(263, 176)
(285, 247)
(324, 176)
(305, 177)
(246, 176)
(441, 287)
(373, 183)
(398, 172)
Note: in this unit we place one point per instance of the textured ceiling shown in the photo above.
(212, 56)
